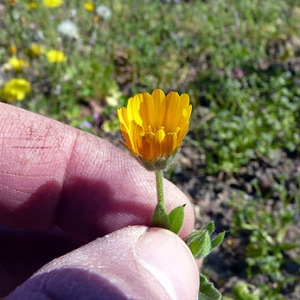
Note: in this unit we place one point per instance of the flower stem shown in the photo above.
(159, 187)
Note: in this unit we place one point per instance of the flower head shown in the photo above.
(17, 63)
(68, 28)
(89, 6)
(13, 49)
(52, 3)
(32, 5)
(55, 56)
(15, 89)
(103, 11)
(154, 126)
(35, 50)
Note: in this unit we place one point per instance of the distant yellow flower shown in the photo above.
(55, 56)
(15, 89)
(52, 3)
(36, 50)
(17, 63)
(89, 6)
(154, 126)
(32, 5)
(13, 49)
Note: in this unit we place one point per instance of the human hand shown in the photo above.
(61, 188)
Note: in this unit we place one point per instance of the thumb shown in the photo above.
(132, 263)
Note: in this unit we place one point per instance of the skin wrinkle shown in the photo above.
(34, 148)
(59, 205)
(21, 157)
(30, 147)
(10, 128)
(47, 163)
(25, 175)
(8, 123)
(90, 159)
(143, 186)
(14, 190)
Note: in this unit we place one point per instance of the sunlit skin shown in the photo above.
(155, 125)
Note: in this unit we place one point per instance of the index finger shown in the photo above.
(52, 174)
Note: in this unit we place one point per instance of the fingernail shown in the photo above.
(167, 258)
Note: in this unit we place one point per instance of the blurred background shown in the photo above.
(239, 60)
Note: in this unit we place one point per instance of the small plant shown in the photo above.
(250, 117)
(154, 140)
(266, 249)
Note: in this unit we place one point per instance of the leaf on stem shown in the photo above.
(176, 217)
(217, 241)
(199, 243)
(160, 217)
(210, 227)
(207, 290)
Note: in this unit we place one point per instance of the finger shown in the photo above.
(53, 174)
(23, 252)
(132, 263)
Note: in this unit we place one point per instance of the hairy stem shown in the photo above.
(159, 187)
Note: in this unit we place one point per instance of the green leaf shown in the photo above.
(207, 290)
(241, 291)
(193, 236)
(160, 217)
(210, 227)
(217, 241)
(199, 243)
(176, 217)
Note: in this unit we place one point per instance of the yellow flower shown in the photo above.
(154, 126)
(17, 63)
(35, 50)
(13, 49)
(89, 6)
(15, 89)
(52, 3)
(55, 56)
(32, 5)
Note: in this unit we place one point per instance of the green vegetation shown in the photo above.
(239, 60)
(267, 248)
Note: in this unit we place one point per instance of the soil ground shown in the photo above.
(211, 194)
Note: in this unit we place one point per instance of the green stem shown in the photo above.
(159, 187)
